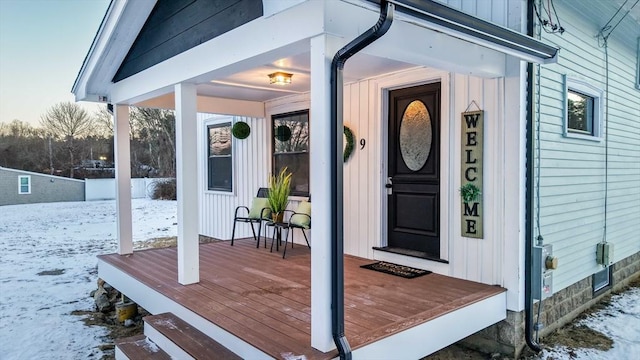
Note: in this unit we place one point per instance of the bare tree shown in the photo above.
(156, 128)
(68, 121)
(104, 122)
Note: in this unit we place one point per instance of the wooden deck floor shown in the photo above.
(265, 300)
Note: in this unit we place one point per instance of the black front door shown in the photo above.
(414, 171)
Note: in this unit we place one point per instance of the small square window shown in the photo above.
(579, 113)
(24, 184)
(583, 112)
(601, 281)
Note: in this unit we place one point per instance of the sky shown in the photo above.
(42, 46)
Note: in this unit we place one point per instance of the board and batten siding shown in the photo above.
(364, 173)
(250, 171)
(572, 171)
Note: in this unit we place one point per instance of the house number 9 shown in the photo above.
(362, 143)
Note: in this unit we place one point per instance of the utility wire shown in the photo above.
(609, 29)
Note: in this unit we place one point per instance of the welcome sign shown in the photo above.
(471, 170)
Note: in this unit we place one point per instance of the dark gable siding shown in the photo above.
(175, 26)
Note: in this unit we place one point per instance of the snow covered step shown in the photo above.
(139, 347)
(182, 341)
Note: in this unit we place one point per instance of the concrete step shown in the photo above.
(139, 347)
(182, 341)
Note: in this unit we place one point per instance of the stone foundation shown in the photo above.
(507, 336)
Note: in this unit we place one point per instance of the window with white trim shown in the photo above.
(24, 184)
(583, 110)
(219, 157)
(291, 148)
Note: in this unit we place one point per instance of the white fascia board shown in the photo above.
(221, 56)
(418, 45)
(118, 30)
(109, 22)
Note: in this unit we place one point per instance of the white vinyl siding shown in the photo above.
(572, 171)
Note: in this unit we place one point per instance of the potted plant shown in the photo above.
(279, 188)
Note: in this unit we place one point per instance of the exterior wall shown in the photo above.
(251, 169)
(573, 172)
(507, 337)
(502, 12)
(44, 188)
(365, 199)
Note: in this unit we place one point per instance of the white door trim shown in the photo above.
(380, 90)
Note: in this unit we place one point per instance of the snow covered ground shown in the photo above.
(48, 267)
(619, 321)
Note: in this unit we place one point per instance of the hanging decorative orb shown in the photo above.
(241, 130)
(283, 133)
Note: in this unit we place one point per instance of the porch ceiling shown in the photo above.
(254, 84)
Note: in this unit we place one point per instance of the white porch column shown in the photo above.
(187, 184)
(123, 179)
(323, 48)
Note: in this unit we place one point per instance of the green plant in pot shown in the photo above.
(279, 189)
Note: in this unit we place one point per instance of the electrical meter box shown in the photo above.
(604, 254)
(543, 264)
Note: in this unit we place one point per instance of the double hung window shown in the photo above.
(24, 184)
(291, 149)
(219, 157)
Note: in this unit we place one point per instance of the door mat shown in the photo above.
(395, 269)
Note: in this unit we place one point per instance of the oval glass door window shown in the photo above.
(415, 135)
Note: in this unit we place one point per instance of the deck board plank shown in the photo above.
(266, 300)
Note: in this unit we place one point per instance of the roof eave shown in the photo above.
(479, 31)
(117, 32)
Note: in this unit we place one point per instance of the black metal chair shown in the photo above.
(299, 219)
(258, 213)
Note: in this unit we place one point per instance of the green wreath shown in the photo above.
(348, 149)
(241, 130)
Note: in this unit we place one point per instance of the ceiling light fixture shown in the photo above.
(280, 78)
